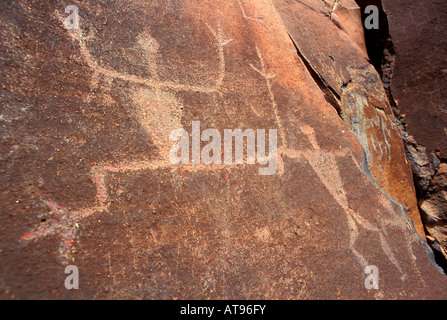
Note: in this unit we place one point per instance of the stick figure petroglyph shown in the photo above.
(64, 223)
(254, 18)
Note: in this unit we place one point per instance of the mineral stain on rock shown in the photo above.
(86, 116)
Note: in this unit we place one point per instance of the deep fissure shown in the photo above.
(382, 55)
(329, 93)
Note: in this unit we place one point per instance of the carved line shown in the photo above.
(255, 18)
(65, 222)
(330, 176)
(268, 77)
(78, 36)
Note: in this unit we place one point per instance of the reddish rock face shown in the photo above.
(417, 30)
(86, 176)
(357, 91)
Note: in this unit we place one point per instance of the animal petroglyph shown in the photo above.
(156, 109)
(64, 223)
(324, 164)
(371, 125)
(150, 49)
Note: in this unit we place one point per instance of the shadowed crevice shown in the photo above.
(330, 95)
(382, 55)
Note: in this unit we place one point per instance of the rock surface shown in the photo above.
(358, 93)
(417, 30)
(86, 178)
(435, 207)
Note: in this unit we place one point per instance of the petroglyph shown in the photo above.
(158, 113)
(156, 109)
(150, 49)
(334, 7)
(371, 125)
(268, 77)
(324, 164)
(64, 223)
(254, 18)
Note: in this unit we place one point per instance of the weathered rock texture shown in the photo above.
(86, 179)
(435, 207)
(418, 86)
(342, 65)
